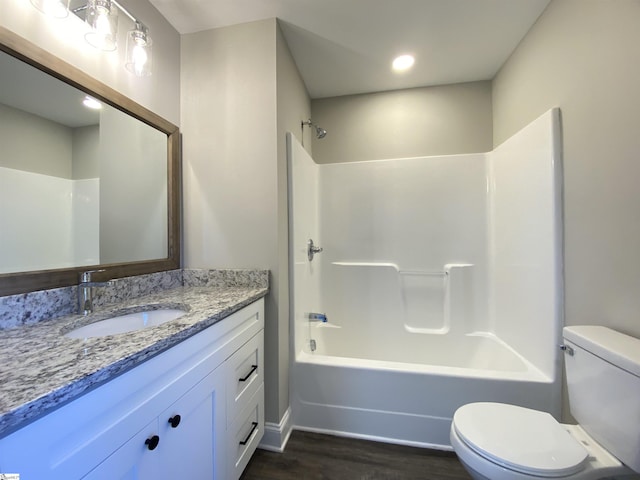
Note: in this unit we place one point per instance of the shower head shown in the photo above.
(320, 132)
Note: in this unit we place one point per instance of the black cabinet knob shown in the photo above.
(152, 442)
(174, 421)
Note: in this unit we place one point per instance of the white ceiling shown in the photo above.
(346, 47)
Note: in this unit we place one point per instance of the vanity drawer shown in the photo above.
(245, 375)
(245, 434)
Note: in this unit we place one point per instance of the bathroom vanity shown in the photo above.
(184, 399)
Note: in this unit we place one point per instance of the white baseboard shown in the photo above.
(276, 435)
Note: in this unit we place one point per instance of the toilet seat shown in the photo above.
(519, 439)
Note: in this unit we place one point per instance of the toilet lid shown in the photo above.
(521, 439)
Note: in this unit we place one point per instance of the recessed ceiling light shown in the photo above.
(403, 62)
(91, 102)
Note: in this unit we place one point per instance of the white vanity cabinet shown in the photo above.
(172, 416)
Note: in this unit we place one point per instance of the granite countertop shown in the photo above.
(41, 369)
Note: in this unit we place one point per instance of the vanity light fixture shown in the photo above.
(102, 18)
(53, 8)
(403, 63)
(92, 103)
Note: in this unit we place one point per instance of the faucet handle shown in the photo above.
(312, 249)
(86, 276)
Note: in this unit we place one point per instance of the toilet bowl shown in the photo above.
(497, 441)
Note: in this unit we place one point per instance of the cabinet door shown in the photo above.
(188, 430)
(134, 460)
(188, 450)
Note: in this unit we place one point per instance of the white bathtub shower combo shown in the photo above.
(440, 279)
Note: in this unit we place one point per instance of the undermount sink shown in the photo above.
(126, 323)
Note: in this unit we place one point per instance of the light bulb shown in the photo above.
(140, 58)
(102, 30)
(139, 46)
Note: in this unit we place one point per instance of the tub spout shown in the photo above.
(318, 317)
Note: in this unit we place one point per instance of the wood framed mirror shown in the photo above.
(96, 191)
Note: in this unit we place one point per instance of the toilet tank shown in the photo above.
(603, 379)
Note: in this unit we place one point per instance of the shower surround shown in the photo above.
(441, 282)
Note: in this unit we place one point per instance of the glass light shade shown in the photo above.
(53, 8)
(138, 60)
(102, 17)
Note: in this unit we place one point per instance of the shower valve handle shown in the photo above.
(312, 249)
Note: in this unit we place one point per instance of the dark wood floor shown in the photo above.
(311, 456)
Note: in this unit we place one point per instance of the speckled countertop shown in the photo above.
(41, 369)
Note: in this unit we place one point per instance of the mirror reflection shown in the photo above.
(79, 186)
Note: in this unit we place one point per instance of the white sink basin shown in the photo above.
(126, 323)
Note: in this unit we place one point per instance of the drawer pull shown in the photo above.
(254, 425)
(174, 421)
(152, 442)
(246, 377)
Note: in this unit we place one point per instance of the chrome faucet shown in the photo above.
(85, 291)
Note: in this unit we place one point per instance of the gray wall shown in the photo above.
(86, 143)
(582, 55)
(35, 144)
(50, 155)
(439, 120)
(231, 178)
(241, 92)
(133, 189)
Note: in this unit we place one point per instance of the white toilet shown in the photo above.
(495, 441)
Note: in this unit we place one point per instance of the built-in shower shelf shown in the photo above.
(426, 273)
(365, 264)
(393, 266)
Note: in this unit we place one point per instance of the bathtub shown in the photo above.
(404, 388)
